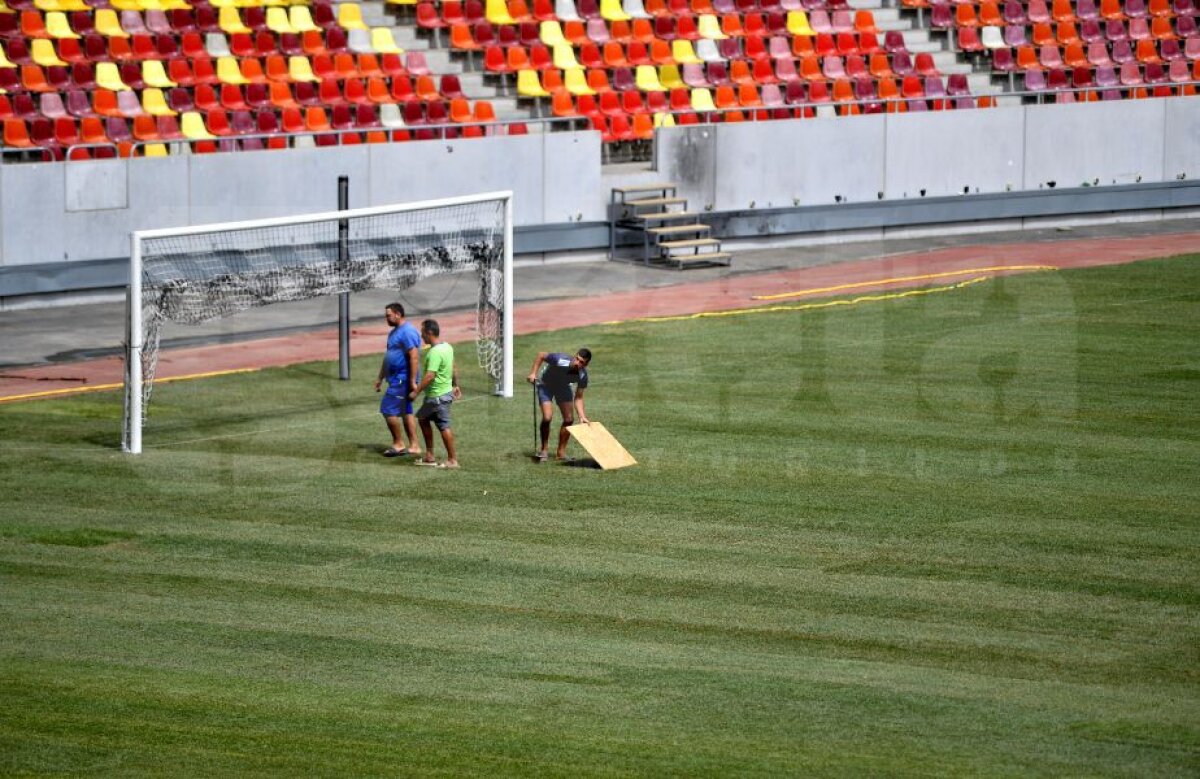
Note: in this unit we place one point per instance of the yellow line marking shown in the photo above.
(925, 277)
(102, 387)
(807, 306)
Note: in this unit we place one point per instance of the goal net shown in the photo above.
(196, 274)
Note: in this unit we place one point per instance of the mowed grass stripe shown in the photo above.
(940, 535)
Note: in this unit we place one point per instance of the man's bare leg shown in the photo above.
(427, 432)
(451, 452)
(410, 427)
(568, 419)
(395, 428)
(547, 418)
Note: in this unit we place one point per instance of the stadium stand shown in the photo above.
(219, 69)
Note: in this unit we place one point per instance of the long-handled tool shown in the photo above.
(536, 409)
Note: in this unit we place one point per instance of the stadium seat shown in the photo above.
(575, 82)
(16, 134)
(647, 79)
(702, 100)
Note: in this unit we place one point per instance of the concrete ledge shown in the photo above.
(52, 283)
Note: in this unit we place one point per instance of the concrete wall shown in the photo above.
(86, 210)
(806, 163)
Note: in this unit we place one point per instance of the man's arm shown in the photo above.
(427, 379)
(425, 382)
(533, 372)
(454, 383)
(414, 359)
(580, 414)
(382, 372)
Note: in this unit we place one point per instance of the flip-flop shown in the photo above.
(427, 463)
(541, 457)
(392, 451)
(448, 466)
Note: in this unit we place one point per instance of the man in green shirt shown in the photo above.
(440, 385)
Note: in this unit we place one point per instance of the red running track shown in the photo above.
(871, 275)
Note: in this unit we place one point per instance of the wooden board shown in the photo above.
(600, 444)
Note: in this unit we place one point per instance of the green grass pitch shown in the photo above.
(955, 534)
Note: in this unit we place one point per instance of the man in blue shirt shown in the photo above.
(400, 370)
(554, 386)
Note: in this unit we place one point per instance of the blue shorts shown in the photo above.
(557, 394)
(395, 401)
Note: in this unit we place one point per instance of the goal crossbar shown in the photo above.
(495, 304)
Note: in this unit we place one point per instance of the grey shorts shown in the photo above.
(437, 410)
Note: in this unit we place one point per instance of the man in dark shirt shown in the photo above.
(554, 386)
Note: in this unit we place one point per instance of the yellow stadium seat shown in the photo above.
(108, 77)
(42, 51)
(551, 34)
(350, 17)
(154, 103)
(683, 53)
(155, 76)
(155, 150)
(702, 100)
(191, 124)
(528, 84)
(664, 120)
(564, 57)
(612, 11)
(229, 71)
(56, 25)
(497, 12)
(230, 22)
(278, 22)
(61, 5)
(669, 77)
(797, 24)
(647, 79)
(710, 27)
(576, 83)
(300, 69)
(383, 42)
(108, 24)
(301, 19)
(5, 62)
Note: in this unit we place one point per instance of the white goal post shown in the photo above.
(195, 274)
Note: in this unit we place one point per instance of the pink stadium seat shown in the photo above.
(1090, 31)
(1097, 54)
(1035, 81)
(1014, 36)
(1131, 74)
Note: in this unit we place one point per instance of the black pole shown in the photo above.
(344, 298)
